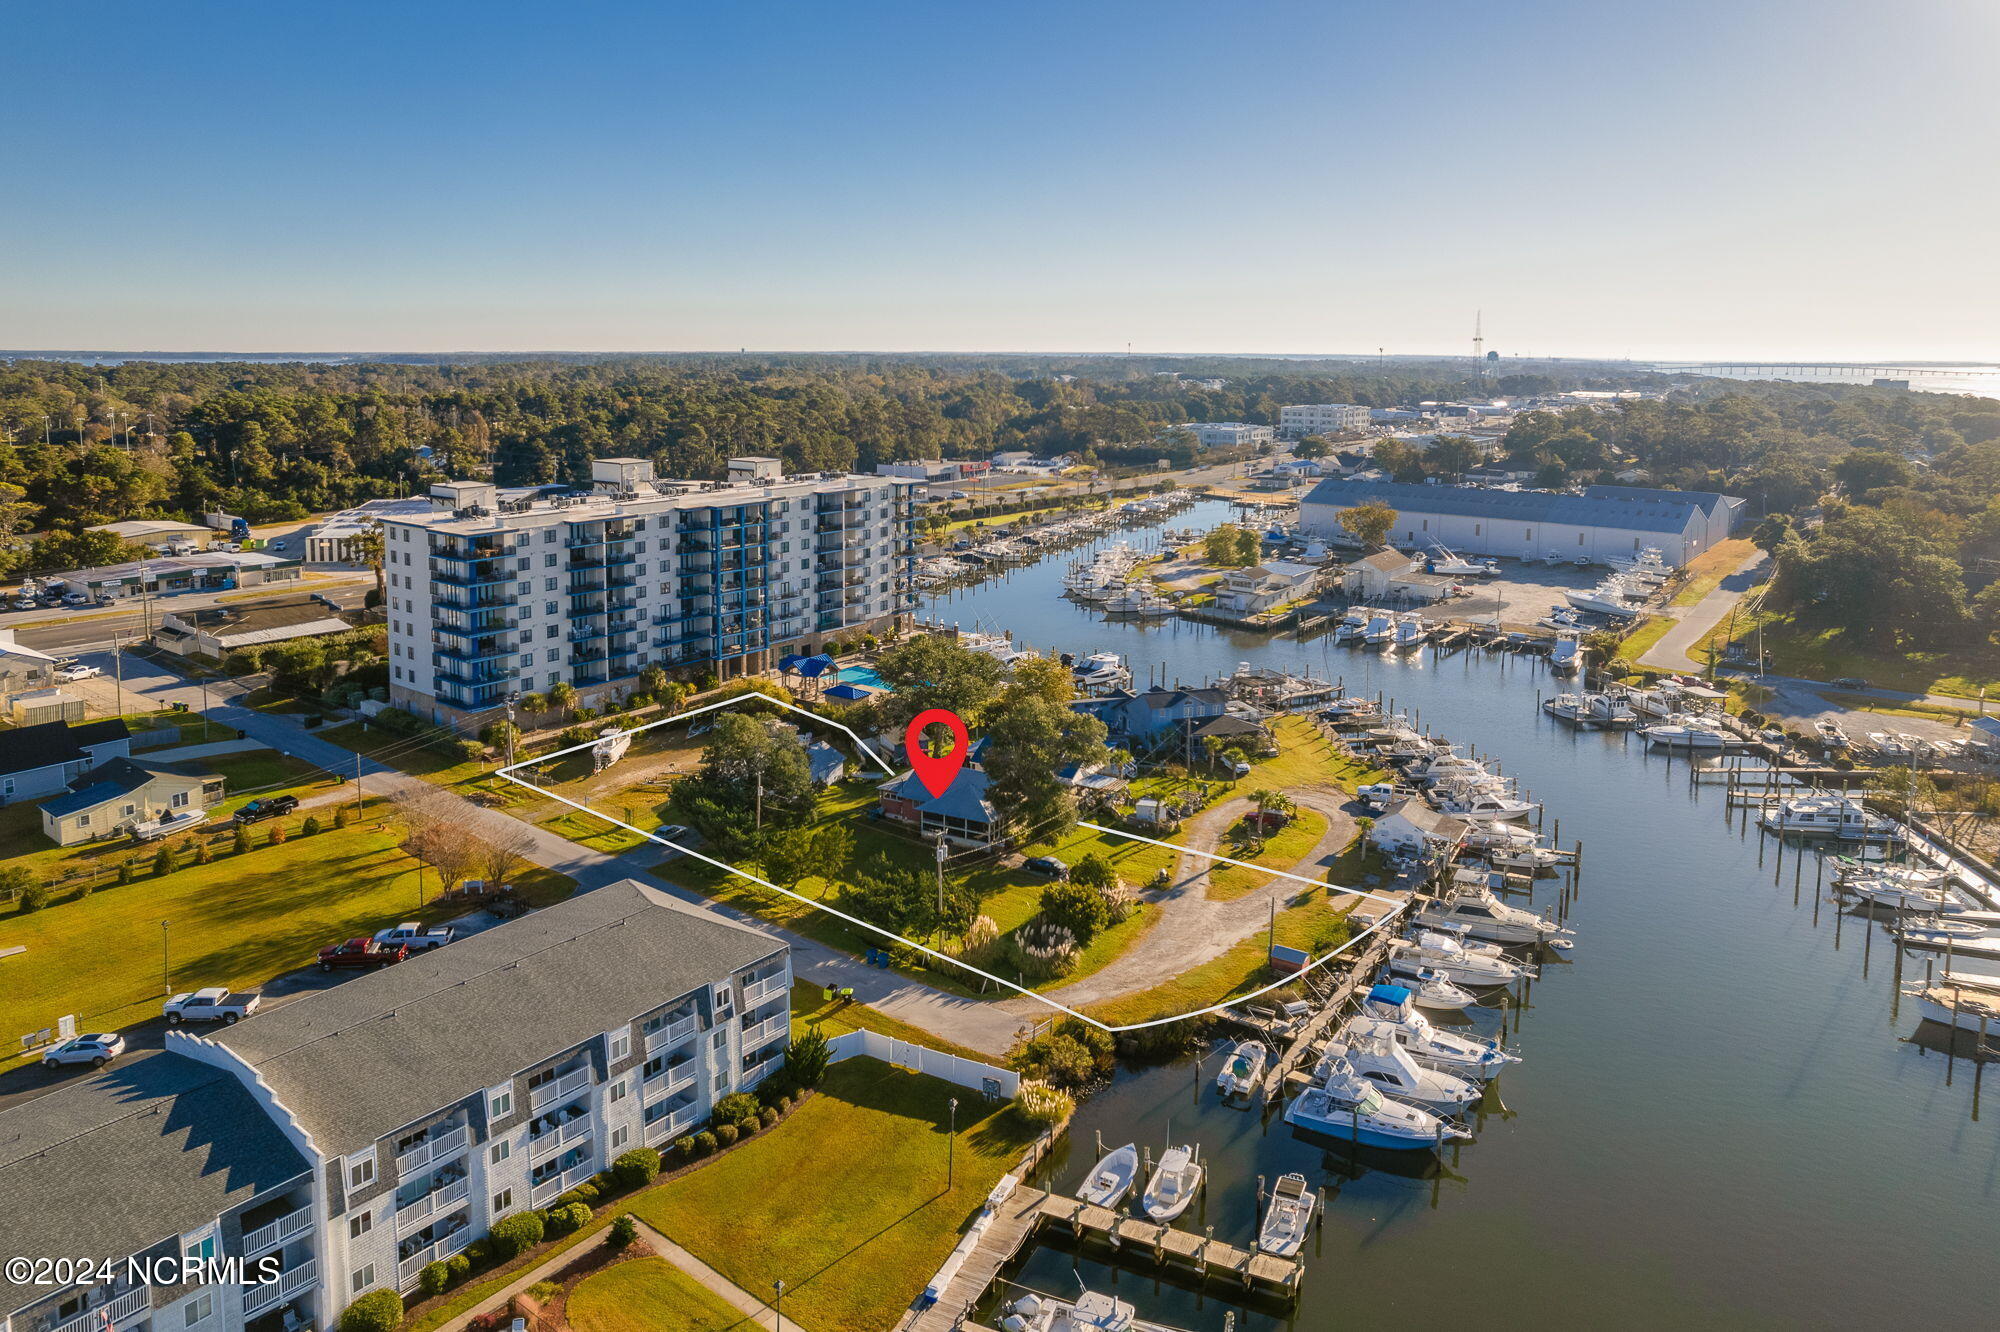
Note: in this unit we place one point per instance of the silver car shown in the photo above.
(97, 1051)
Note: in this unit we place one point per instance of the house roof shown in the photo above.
(26, 748)
(112, 1165)
(964, 799)
(1385, 561)
(1226, 725)
(357, 1062)
(1445, 827)
(823, 760)
(1289, 570)
(109, 781)
(1671, 511)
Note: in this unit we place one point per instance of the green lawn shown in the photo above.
(238, 921)
(1282, 851)
(1707, 570)
(648, 1295)
(1828, 654)
(811, 1009)
(846, 1199)
(1645, 636)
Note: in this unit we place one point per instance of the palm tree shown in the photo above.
(368, 545)
(562, 697)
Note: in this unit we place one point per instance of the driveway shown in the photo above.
(1671, 652)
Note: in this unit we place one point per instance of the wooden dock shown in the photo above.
(1308, 1035)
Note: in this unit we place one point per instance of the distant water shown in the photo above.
(1977, 380)
(1720, 1120)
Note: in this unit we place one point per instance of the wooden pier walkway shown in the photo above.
(1357, 977)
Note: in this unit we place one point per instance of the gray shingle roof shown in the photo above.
(45, 744)
(1706, 500)
(359, 1061)
(144, 1151)
(1527, 506)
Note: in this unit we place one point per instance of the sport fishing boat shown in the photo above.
(1287, 1217)
(1522, 856)
(1609, 710)
(1357, 1112)
(1566, 657)
(1242, 1069)
(1430, 990)
(1478, 803)
(1607, 598)
(1450, 957)
(1830, 816)
(1448, 565)
(1391, 1011)
(1380, 629)
(1174, 1183)
(1495, 836)
(1482, 915)
(1352, 625)
(1113, 1178)
(1903, 895)
(1378, 1059)
(1830, 732)
(1101, 670)
(1411, 631)
(1092, 1312)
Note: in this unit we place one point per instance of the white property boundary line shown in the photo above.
(1395, 907)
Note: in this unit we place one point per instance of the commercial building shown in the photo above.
(358, 1134)
(217, 631)
(1531, 524)
(1227, 434)
(159, 533)
(332, 539)
(209, 571)
(1320, 418)
(954, 469)
(489, 597)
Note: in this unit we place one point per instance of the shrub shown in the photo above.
(769, 1117)
(125, 872)
(1065, 1061)
(163, 860)
(685, 1146)
(470, 750)
(202, 855)
(311, 827)
(565, 1218)
(726, 1134)
(734, 1109)
(242, 837)
(431, 1281)
(637, 1168)
(1079, 908)
(623, 1232)
(705, 1142)
(342, 815)
(543, 1291)
(35, 898)
(807, 1059)
(1040, 1103)
(585, 1193)
(514, 1235)
(377, 1311)
(458, 1267)
(605, 1182)
(478, 1254)
(278, 834)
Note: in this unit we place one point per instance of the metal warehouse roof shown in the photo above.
(1526, 506)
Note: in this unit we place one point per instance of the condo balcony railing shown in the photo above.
(556, 1092)
(266, 1237)
(434, 1150)
(289, 1285)
(440, 1201)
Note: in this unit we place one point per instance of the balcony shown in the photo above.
(121, 1306)
(286, 1227)
(470, 651)
(412, 1267)
(434, 1150)
(469, 599)
(675, 1077)
(763, 1033)
(555, 1184)
(683, 1120)
(473, 573)
(556, 1092)
(469, 678)
(542, 1146)
(764, 989)
(438, 1202)
(667, 1037)
(289, 1285)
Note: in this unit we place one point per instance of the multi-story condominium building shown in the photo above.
(490, 597)
(357, 1134)
(1225, 434)
(1320, 418)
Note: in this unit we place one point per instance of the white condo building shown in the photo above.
(1226, 434)
(360, 1133)
(1320, 418)
(489, 596)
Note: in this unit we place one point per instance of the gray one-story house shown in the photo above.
(42, 760)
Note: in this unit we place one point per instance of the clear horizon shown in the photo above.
(1792, 181)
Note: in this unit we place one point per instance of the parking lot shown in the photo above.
(1521, 595)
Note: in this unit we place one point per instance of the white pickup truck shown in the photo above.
(215, 1004)
(413, 936)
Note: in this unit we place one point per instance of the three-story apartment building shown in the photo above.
(489, 597)
(363, 1132)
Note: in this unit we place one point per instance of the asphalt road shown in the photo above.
(95, 628)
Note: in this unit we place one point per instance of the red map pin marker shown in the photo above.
(936, 773)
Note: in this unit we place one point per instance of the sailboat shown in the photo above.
(1287, 1217)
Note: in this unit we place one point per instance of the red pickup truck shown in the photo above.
(363, 953)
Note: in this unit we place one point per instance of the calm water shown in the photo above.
(1719, 1120)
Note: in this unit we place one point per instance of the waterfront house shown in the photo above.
(1391, 575)
(1411, 826)
(1147, 718)
(127, 790)
(963, 813)
(1273, 583)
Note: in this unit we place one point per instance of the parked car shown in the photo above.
(76, 599)
(71, 674)
(1048, 865)
(267, 807)
(362, 954)
(281, 544)
(97, 1051)
(1850, 682)
(678, 833)
(1239, 767)
(413, 937)
(215, 1004)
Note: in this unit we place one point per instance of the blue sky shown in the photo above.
(1773, 178)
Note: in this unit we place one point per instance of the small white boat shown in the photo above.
(1481, 806)
(1092, 1312)
(1532, 858)
(1903, 896)
(1968, 1002)
(1175, 1181)
(1377, 1059)
(1429, 989)
(1830, 732)
(1562, 618)
(1681, 731)
(1352, 625)
(1287, 1217)
(1411, 631)
(1113, 1178)
(1242, 1069)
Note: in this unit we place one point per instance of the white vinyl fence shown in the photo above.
(997, 1083)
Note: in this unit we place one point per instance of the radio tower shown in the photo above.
(1479, 342)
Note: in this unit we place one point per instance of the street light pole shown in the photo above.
(779, 1306)
(951, 1146)
(166, 971)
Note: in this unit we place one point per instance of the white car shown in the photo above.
(97, 1051)
(71, 674)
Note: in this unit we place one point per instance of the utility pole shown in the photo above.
(942, 855)
(166, 971)
(513, 698)
(118, 668)
(950, 1146)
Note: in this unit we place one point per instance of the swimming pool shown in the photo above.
(861, 675)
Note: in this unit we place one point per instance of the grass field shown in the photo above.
(238, 921)
(1645, 636)
(846, 1199)
(648, 1295)
(1282, 851)
(810, 1009)
(1707, 570)
(1829, 654)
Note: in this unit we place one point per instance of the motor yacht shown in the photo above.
(1484, 916)
(1450, 957)
(1479, 804)
(1566, 655)
(1355, 1111)
(1684, 731)
(1430, 989)
(1377, 1058)
(1830, 816)
(1241, 1069)
(1391, 1011)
